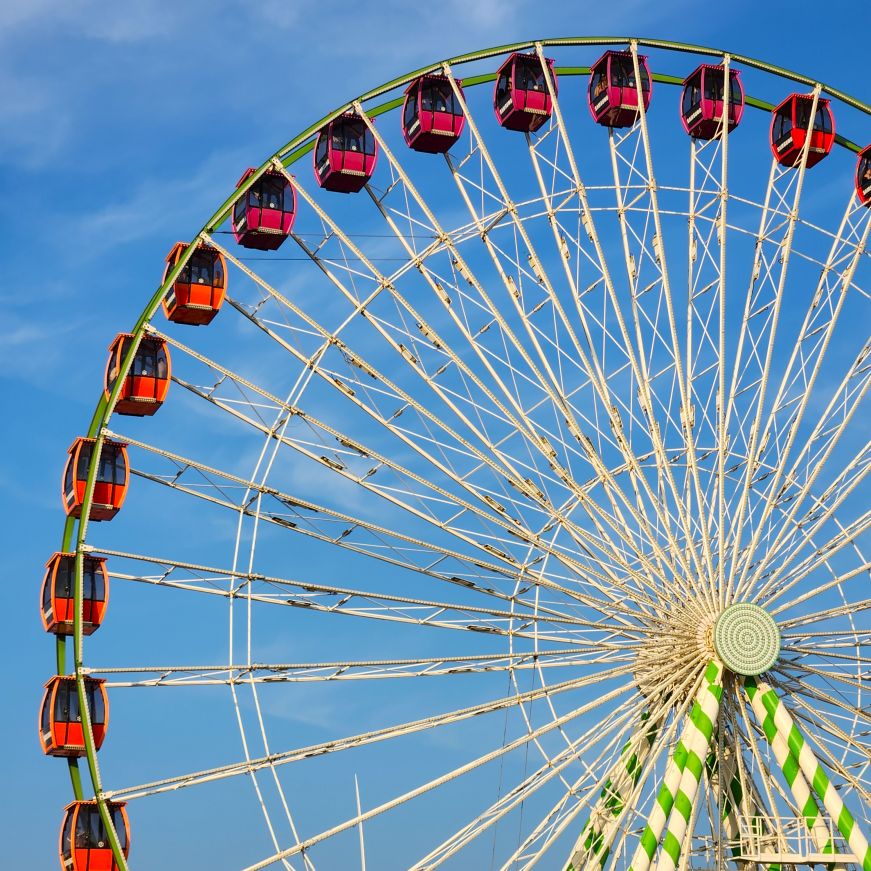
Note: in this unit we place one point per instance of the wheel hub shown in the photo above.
(670, 645)
(746, 639)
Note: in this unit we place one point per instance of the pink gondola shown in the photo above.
(521, 98)
(863, 176)
(263, 216)
(701, 108)
(613, 94)
(432, 117)
(345, 154)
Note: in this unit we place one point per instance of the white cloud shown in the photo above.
(33, 124)
(157, 208)
(281, 13)
(32, 351)
(131, 21)
(17, 12)
(47, 67)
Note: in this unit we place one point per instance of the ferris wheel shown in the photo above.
(506, 510)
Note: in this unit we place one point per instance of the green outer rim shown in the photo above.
(287, 155)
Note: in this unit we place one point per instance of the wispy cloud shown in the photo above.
(133, 21)
(154, 208)
(309, 704)
(33, 350)
(34, 125)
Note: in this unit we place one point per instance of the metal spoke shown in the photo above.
(310, 842)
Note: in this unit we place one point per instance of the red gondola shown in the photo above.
(432, 118)
(147, 381)
(58, 588)
(197, 293)
(110, 486)
(613, 95)
(521, 99)
(863, 176)
(84, 841)
(701, 107)
(345, 154)
(790, 122)
(263, 216)
(60, 720)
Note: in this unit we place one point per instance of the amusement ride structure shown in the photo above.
(562, 407)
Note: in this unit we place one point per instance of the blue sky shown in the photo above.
(123, 125)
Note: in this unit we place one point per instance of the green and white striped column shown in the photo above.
(726, 785)
(594, 842)
(703, 720)
(687, 751)
(800, 768)
(796, 781)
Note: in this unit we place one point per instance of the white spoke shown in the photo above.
(428, 786)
